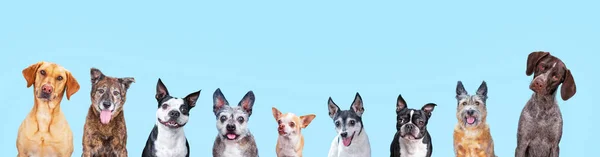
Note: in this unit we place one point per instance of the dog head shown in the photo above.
(173, 112)
(548, 73)
(348, 123)
(232, 122)
(412, 123)
(50, 81)
(108, 94)
(289, 124)
(471, 109)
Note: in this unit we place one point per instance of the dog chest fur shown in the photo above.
(287, 146)
(170, 142)
(412, 148)
(360, 147)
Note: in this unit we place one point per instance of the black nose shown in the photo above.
(230, 127)
(470, 112)
(409, 127)
(344, 134)
(106, 104)
(174, 114)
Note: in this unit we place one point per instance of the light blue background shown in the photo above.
(294, 55)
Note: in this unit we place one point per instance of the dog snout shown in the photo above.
(280, 128)
(470, 112)
(47, 89)
(106, 104)
(344, 134)
(230, 127)
(175, 114)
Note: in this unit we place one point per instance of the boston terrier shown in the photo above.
(351, 139)
(167, 138)
(412, 138)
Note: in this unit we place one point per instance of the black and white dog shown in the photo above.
(234, 138)
(167, 138)
(412, 138)
(351, 139)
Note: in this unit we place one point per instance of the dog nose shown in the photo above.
(280, 127)
(174, 114)
(470, 112)
(47, 89)
(230, 127)
(344, 134)
(106, 104)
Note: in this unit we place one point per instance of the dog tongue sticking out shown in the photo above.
(470, 120)
(231, 136)
(105, 116)
(347, 141)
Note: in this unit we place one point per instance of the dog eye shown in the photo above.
(292, 124)
(223, 118)
(337, 124)
(240, 119)
(43, 72)
(279, 122)
(352, 122)
(116, 92)
(100, 91)
(420, 122)
(164, 106)
(477, 103)
(464, 103)
(541, 67)
(59, 78)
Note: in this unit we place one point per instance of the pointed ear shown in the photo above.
(568, 88)
(482, 90)
(333, 108)
(30, 72)
(192, 98)
(428, 108)
(533, 59)
(219, 100)
(247, 102)
(161, 90)
(400, 104)
(96, 75)
(460, 90)
(72, 85)
(306, 119)
(357, 105)
(126, 81)
(276, 113)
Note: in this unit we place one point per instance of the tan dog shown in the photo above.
(472, 137)
(45, 131)
(290, 142)
(104, 132)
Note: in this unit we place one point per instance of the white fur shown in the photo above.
(170, 142)
(173, 104)
(290, 141)
(360, 147)
(412, 148)
(232, 149)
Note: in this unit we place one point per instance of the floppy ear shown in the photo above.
(428, 108)
(460, 90)
(276, 113)
(306, 119)
(400, 104)
(247, 102)
(192, 98)
(161, 90)
(72, 85)
(533, 59)
(30, 72)
(568, 88)
(357, 105)
(333, 108)
(219, 100)
(96, 75)
(482, 90)
(126, 81)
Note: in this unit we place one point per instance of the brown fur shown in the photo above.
(300, 123)
(106, 139)
(45, 131)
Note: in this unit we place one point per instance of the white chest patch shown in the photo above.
(412, 148)
(287, 146)
(232, 150)
(170, 142)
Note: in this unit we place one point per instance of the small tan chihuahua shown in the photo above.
(290, 142)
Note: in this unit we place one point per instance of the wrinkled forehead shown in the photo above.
(228, 110)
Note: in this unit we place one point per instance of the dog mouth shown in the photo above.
(347, 141)
(470, 120)
(231, 136)
(409, 137)
(171, 123)
(105, 116)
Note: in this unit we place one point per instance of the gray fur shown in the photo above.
(234, 138)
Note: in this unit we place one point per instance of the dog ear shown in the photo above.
(568, 88)
(428, 108)
(306, 119)
(400, 104)
(192, 98)
(276, 113)
(247, 102)
(333, 108)
(533, 59)
(96, 74)
(161, 90)
(482, 90)
(126, 81)
(357, 105)
(30, 72)
(219, 100)
(72, 85)
(460, 90)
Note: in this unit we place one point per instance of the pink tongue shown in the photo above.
(105, 116)
(347, 141)
(231, 136)
(470, 120)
